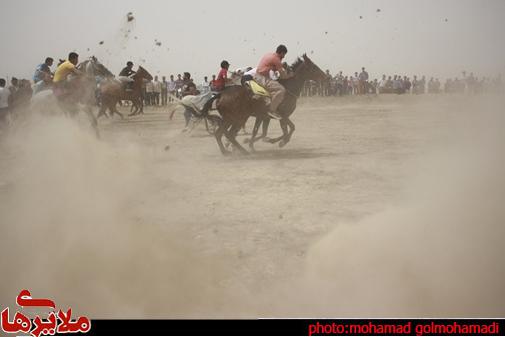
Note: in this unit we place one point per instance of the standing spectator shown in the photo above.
(431, 86)
(470, 82)
(156, 91)
(13, 89)
(498, 84)
(355, 84)
(415, 85)
(326, 83)
(339, 83)
(4, 102)
(213, 83)
(406, 84)
(345, 85)
(374, 87)
(178, 85)
(149, 92)
(164, 90)
(422, 85)
(363, 78)
(205, 85)
(397, 85)
(382, 84)
(171, 86)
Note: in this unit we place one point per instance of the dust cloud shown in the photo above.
(68, 232)
(437, 252)
(399, 214)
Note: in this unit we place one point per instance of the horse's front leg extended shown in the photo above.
(291, 127)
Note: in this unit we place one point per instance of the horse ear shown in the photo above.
(304, 56)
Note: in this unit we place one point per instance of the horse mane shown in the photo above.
(298, 62)
(82, 65)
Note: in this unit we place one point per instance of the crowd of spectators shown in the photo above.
(361, 84)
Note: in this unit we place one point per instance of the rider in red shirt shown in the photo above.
(222, 76)
(273, 62)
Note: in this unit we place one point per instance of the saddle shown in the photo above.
(256, 89)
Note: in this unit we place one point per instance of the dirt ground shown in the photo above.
(379, 206)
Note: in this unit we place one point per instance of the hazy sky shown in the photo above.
(405, 37)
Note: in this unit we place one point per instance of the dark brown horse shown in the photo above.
(236, 104)
(113, 91)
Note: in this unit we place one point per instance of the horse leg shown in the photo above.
(134, 109)
(92, 120)
(287, 138)
(257, 123)
(231, 134)
(101, 112)
(219, 135)
(266, 123)
(141, 104)
(284, 128)
(119, 113)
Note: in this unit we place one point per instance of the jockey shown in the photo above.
(43, 71)
(43, 76)
(222, 77)
(60, 80)
(126, 73)
(273, 62)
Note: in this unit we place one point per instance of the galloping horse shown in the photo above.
(236, 104)
(113, 91)
(83, 91)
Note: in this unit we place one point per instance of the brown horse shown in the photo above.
(113, 91)
(236, 104)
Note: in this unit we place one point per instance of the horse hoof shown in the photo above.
(282, 143)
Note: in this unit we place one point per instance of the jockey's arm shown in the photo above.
(77, 72)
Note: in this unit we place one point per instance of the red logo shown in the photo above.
(60, 322)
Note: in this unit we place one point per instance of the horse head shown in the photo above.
(99, 69)
(305, 68)
(143, 74)
(92, 67)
